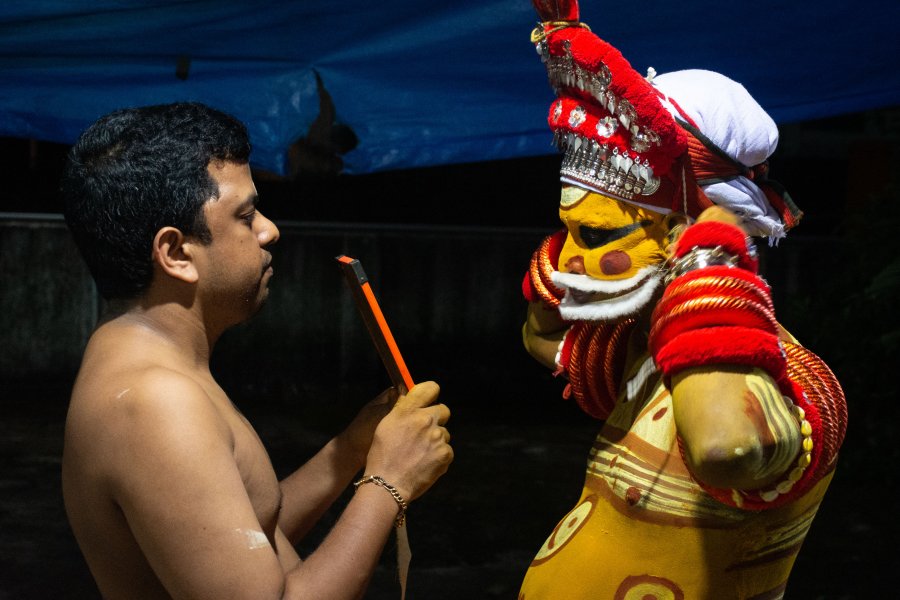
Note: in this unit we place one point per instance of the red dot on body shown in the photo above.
(632, 496)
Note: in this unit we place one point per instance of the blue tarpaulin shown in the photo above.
(419, 83)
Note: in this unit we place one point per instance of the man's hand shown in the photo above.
(411, 449)
(359, 433)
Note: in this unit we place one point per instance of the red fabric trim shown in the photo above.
(709, 165)
(712, 317)
(555, 245)
(528, 290)
(776, 199)
(692, 200)
(733, 345)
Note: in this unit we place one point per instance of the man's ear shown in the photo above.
(173, 253)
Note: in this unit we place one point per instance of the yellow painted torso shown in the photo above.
(644, 530)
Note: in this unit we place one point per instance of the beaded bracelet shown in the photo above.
(803, 461)
(798, 479)
(378, 480)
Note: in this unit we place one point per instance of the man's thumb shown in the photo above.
(421, 395)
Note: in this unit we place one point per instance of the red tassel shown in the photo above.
(556, 10)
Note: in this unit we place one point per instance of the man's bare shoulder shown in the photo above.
(132, 399)
(131, 376)
(126, 405)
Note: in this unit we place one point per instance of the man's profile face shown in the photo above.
(235, 265)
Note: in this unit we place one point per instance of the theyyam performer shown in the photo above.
(720, 431)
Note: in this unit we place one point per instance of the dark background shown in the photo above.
(520, 448)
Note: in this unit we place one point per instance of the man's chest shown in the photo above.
(257, 473)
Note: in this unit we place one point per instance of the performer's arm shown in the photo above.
(544, 328)
(736, 429)
(759, 418)
(542, 333)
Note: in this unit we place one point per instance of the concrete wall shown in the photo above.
(47, 300)
(449, 294)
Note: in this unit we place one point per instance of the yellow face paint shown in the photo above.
(608, 239)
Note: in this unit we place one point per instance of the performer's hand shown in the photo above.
(359, 433)
(713, 213)
(411, 447)
(723, 215)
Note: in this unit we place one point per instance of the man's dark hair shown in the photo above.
(136, 171)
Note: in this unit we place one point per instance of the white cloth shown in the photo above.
(744, 198)
(726, 113)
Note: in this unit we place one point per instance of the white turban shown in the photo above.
(727, 115)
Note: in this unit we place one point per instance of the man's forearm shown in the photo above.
(341, 567)
(310, 490)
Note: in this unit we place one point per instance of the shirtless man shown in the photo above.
(168, 488)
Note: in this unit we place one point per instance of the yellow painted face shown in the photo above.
(608, 239)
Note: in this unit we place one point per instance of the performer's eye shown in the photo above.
(571, 195)
(594, 237)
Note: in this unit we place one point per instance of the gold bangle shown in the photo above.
(706, 303)
(539, 34)
(718, 284)
(378, 480)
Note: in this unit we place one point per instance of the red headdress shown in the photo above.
(623, 137)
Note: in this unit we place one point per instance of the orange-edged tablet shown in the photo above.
(376, 323)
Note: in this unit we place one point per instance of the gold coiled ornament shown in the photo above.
(596, 365)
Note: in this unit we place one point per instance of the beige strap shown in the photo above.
(404, 555)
